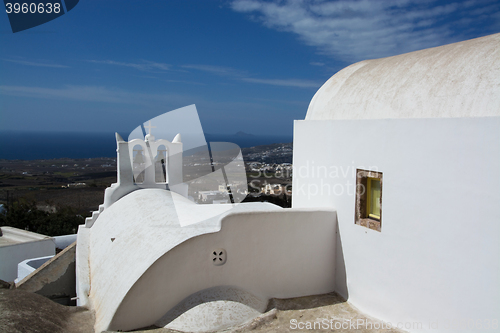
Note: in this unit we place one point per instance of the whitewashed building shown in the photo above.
(406, 149)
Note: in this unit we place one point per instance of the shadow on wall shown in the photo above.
(55, 279)
(340, 295)
(340, 272)
(305, 303)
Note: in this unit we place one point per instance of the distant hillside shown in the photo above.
(245, 140)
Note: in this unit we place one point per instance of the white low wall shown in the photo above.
(437, 259)
(26, 267)
(64, 241)
(82, 266)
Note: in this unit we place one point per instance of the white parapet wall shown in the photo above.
(64, 241)
(28, 266)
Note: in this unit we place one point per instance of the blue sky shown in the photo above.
(248, 65)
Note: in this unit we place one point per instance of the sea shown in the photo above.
(46, 145)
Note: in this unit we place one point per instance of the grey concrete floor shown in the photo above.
(28, 312)
(25, 312)
(330, 311)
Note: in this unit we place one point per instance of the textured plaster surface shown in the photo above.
(455, 80)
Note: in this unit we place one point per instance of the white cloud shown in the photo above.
(185, 82)
(37, 64)
(89, 94)
(353, 30)
(286, 82)
(243, 76)
(145, 65)
(218, 70)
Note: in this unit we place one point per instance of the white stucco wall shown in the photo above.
(82, 268)
(11, 255)
(28, 266)
(437, 257)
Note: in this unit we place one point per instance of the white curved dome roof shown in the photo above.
(455, 80)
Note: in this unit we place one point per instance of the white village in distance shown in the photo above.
(396, 191)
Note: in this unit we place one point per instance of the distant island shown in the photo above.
(243, 134)
(239, 134)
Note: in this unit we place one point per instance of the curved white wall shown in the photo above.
(269, 254)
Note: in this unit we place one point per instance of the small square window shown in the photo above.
(368, 199)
